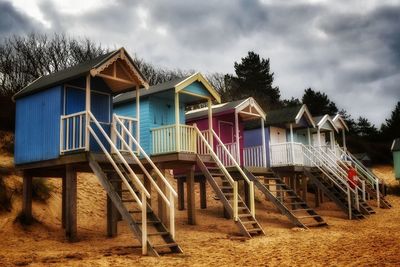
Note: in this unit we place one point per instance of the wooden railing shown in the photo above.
(131, 125)
(253, 156)
(72, 132)
(164, 139)
(225, 154)
(202, 148)
(287, 154)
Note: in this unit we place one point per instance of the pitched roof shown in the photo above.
(321, 120)
(215, 109)
(282, 115)
(396, 145)
(67, 74)
(178, 84)
(129, 96)
(340, 122)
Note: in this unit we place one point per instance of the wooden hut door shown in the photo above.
(226, 132)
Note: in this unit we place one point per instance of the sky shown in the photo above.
(349, 49)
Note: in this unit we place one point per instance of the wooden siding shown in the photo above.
(197, 88)
(37, 131)
(253, 137)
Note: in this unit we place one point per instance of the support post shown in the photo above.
(87, 108)
(210, 123)
(332, 137)
(344, 139)
(203, 193)
(309, 136)
(27, 197)
(177, 128)
(264, 150)
(181, 194)
(237, 156)
(304, 185)
(71, 205)
(147, 185)
(292, 142)
(63, 201)
(138, 117)
(190, 197)
(246, 193)
(112, 218)
(317, 196)
(319, 137)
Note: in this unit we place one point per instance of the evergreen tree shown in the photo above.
(391, 128)
(364, 128)
(253, 78)
(291, 102)
(318, 103)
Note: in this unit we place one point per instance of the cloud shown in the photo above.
(14, 22)
(348, 49)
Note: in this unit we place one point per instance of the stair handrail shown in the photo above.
(105, 135)
(346, 191)
(339, 168)
(237, 166)
(371, 177)
(224, 170)
(172, 193)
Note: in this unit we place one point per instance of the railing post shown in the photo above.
(144, 224)
(235, 201)
(171, 214)
(363, 190)
(61, 135)
(378, 197)
(349, 201)
(113, 135)
(357, 199)
(252, 204)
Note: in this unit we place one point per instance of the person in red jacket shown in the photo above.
(352, 176)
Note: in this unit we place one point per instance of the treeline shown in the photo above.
(25, 58)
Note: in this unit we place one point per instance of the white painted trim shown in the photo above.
(252, 103)
(324, 120)
(302, 111)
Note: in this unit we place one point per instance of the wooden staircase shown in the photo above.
(159, 239)
(247, 223)
(288, 202)
(333, 193)
(372, 192)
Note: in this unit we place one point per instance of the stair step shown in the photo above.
(139, 211)
(254, 230)
(249, 222)
(296, 210)
(167, 245)
(158, 233)
(308, 216)
(245, 215)
(149, 221)
(315, 224)
(128, 200)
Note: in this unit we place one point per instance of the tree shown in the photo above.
(349, 121)
(291, 102)
(253, 78)
(391, 128)
(318, 103)
(25, 58)
(364, 128)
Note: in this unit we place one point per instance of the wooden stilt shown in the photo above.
(304, 185)
(181, 194)
(63, 201)
(147, 185)
(203, 193)
(118, 186)
(112, 212)
(317, 197)
(190, 197)
(27, 197)
(71, 204)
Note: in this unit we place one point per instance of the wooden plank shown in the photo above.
(162, 207)
(71, 204)
(190, 197)
(112, 218)
(181, 194)
(27, 197)
(203, 194)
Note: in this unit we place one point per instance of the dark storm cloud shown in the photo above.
(341, 47)
(13, 22)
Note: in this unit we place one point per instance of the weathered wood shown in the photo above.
(162, 207)
(304, 186)
(63, 202)
(246, 193)
(147, 185)
(27, 197)
(317, 196)
(112, 218)
(181, 194)
(203, 194)
(191, 213)
(71, 204)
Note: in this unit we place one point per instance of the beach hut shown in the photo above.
(323, 135)
(396, 157)
(228, 121)
(185, 148)
(342, 127)
(285, 129)
(65, 123)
